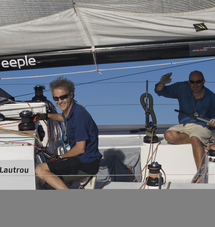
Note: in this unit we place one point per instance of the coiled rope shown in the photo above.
(150, 109)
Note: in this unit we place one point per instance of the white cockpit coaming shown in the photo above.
(124, 164)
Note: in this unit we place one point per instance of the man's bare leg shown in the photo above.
(43, 172)
(198, 151)
(176, 137)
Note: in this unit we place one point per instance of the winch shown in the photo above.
(154, 178)
(27, 121)
(39, 93)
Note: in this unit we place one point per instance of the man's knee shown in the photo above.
(195, 141)
(40, 168)
(169, 135)
(176, 137)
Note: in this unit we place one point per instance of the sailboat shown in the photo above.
(45, 34)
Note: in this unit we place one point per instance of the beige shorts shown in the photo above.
(191, 129)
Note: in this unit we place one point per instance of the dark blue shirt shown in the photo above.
(81, 127)
(205, 106)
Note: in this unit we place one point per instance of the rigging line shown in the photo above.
(91, 71)
(136, 82)
(32, 84)
(50, 75)
(95, 81)
(131, 104)
(132, 74)
(32, 93)
(93, 49)
(113, 82)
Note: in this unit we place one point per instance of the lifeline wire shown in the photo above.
(132, 74)
(96, 81)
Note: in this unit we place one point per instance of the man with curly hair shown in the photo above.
(82, 132)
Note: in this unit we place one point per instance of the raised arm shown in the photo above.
(165, 79)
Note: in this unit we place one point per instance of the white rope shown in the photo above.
(60, 74)
(109, 69)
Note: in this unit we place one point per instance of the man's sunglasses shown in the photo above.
(197, 81)
(62, 97)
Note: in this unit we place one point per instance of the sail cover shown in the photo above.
(47, 33)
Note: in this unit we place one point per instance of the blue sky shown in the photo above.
(116, 100)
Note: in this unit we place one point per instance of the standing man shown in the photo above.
(82, 134)
(194, 98)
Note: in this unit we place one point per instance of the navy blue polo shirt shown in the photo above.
(205, 106)
(81, 127)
